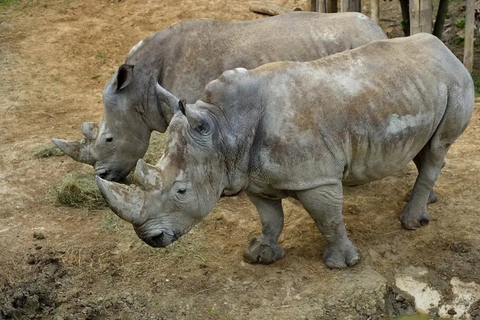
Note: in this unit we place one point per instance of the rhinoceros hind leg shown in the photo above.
(265, 249)
(324, 204)
(432, 197)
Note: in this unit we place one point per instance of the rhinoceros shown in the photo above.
(184, 58)
(303, 130)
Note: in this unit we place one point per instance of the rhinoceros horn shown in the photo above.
(90, 130)
(78, 151)
(127, 202)
(146, 175)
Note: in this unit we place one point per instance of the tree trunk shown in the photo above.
(351, 5)
(469, 32)
(440, 20)
(331, 6)
(374, 6)
(420, 16)
(404, 4)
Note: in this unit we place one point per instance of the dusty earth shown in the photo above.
(65, 263)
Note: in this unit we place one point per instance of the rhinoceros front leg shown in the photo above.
(324, 204)
(265, 249)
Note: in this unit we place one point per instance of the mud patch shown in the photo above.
(36, 298)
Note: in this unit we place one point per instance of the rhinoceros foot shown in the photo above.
(262, 251)
(341, 255)
(412, 219)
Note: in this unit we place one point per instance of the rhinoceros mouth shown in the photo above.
(110, 175)
(160, 240)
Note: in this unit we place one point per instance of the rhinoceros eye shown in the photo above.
(182, 190)
(109, 139)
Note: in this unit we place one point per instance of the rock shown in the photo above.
(39, 235)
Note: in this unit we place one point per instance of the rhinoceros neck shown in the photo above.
(238, 123)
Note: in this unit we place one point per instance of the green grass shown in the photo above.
(4, 3)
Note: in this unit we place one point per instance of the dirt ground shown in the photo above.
(65, 263)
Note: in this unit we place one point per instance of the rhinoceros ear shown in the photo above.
(198, 120)
(146, 175)
(90, 130)
(124, 76)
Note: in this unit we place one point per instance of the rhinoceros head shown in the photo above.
(177, 194)
(131, 112)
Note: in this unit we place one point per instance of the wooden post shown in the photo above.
(312, 5)
(469, 28)
(321, 6)
(331, 6)
(374, 9)
(350, 5)
(420, 16)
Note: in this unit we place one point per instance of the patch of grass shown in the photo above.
(460, 23)
(95, 76)
(458, 40)
(100, 55)
(4, 3)
(78, 190)
(47, 151)
(476, 82)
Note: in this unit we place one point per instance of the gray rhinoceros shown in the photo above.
(184, 58)
(303, 130)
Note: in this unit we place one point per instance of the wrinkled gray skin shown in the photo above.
(304, 130)
(184, 58)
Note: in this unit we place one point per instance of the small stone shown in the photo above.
(39, 235)
(451, 311)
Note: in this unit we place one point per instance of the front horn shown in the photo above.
(76, 150)
(127, 202)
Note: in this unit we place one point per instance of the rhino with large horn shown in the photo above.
(184, 58)
(304, 130)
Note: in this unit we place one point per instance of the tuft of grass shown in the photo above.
(78, 190)
(47, 151)
(458, 40)
(460, 23)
